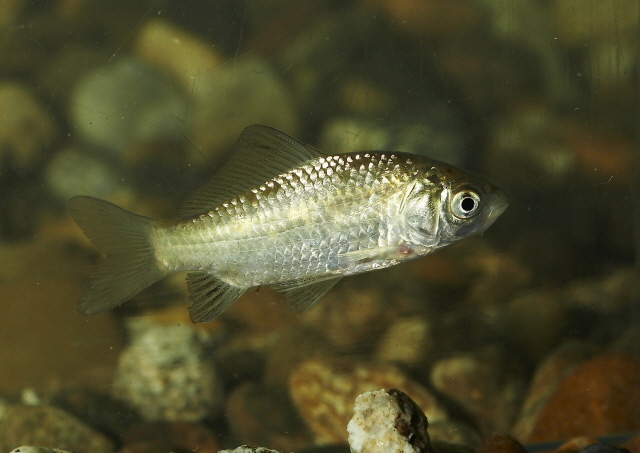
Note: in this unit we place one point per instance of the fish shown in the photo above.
(283, 214)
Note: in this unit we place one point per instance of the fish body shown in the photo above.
(280, 213)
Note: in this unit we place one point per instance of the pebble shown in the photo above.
(47, 425)
(439, 19)
(99, 410)
(387, 421)
(601, 396)
(555, 367)
(437, 133)
(92, 175)
(407, 341)
(177, 53)
(26, 128)
(125, 104)
(33, 449)
(10, 12)
(601, 448)
(246, 449)
(575, 25)
(350, 315)
(485, 384)
(165, 375)
(633, 444)
(169, 436)
(498, 443)
(324, 394)
(575, 445)
(226, 99)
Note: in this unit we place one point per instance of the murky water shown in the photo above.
(516, 331)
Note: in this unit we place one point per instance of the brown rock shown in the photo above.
(549, 374)
(324, 395)
(575, 445)
(600, 397)
(441, 18)
(175, 436)
(498, 443)
(633, 444)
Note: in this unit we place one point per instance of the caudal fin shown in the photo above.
(130, 265)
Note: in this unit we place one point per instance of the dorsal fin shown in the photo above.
(261, 153)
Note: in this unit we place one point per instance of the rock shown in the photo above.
(438, 133)
(227, 98)
(601, 448)
(260, 415)
(498, 443)
(26, 128)
(165, 374)
(245, 449)
(575, 25)
(92, 176)
(350, 315)
(548, 375)
(324, 394)
(47, 425)
(407, 341)
(173, 436)
(535, 321)
(601, 396)
(633, 444)
(387, 421)
(10, 12)
(98, 410)
(439, 19)
(179, 54)
(33, 449)
(126, 104)
(485, 384)
(575, 445)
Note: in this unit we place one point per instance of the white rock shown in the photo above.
(387, 421)
(33, 449)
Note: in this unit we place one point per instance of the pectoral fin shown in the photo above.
(389, 253)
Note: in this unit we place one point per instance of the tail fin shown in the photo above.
(130, 265)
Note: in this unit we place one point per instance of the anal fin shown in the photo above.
(209, 296)
(302, 293)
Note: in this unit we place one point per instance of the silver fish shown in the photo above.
(281, 213)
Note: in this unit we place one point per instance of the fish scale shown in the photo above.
(272, 245)
(281, 213)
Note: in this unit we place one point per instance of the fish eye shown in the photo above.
(465, 204)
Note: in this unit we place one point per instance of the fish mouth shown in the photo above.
(499, 204)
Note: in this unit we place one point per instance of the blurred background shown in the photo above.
(516, 331)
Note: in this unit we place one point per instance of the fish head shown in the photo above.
(445, 204)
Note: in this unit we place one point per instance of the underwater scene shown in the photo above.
(319, 226)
